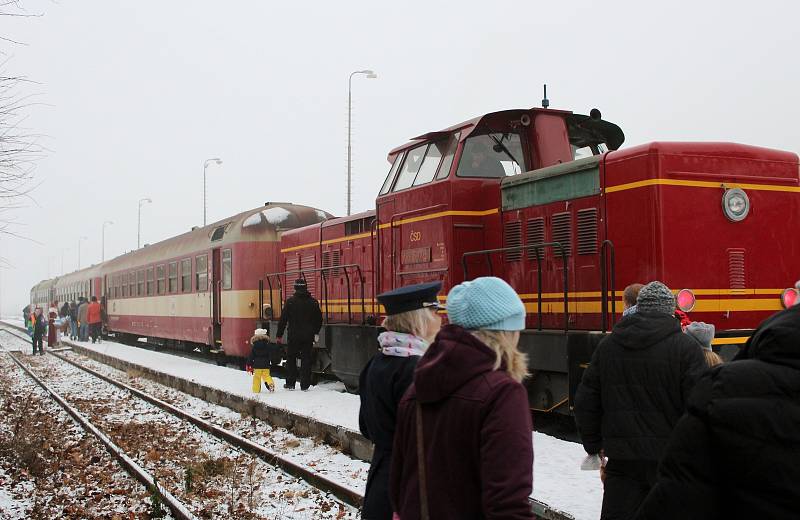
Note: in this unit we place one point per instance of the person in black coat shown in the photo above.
(632, 395)
(736, 453)
(39, 327)
(259, 360)
(303, 317)
(411, 324)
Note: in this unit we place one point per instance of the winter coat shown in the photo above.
(303, 316)
(636, 387)
(93, 313)
(73, 312)
(736, 453)
(477, 436)
(39, 324)
(381, 386)
(64, 311)
(83, 308)
(261, 352)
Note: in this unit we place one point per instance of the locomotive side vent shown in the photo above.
(561, 224)
(309, 262)
(587, 231)
(535, 235)
(512, 236)
(736, 273)
(332, 258)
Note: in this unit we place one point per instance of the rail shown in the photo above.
(536, 248)
(323, 271)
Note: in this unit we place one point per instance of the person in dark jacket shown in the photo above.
(411, 324)
(736, 453)
(39, 325)
(26, 316)
(259, 360)
(632, 395)
(475, 434)
(303, 317)
(73, 321)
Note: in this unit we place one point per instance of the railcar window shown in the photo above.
(410, 168)
(201, 273)
(140, 283)
(227, 274)
(173, 277)
(132, 284)
(150, 282)
(123, 278)
(186, 275)
(162, 283)
(387, 184)
(493, 155)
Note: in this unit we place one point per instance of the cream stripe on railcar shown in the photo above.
(235, 304)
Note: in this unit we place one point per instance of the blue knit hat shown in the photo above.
(485, 303)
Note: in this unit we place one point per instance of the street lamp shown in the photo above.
(205, 166)
(370, 75)
(103, 241)
(79, 250)
(139, 222)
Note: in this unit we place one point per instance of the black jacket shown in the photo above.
(261, 352)
(64, 311)
(39, 325)
(303, 316)
(636, 387)
(736, 453)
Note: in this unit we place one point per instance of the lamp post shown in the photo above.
(139, 222)
(79, 250)
(370, 75)
(103, 241)
(205, 166)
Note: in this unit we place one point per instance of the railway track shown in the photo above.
(308, 476)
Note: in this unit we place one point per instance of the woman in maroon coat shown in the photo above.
(476, 448)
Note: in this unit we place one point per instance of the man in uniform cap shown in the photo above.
(303, 317)
(411, 324)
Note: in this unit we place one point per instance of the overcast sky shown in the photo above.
(136, 95)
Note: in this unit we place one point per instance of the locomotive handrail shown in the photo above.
(536, 247)
(392, 226)
(323, 272)
(606, 250)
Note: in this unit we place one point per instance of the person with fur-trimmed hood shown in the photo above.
(259, 361)
(736, 452)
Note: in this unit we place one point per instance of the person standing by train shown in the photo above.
(83, 325)
(411, 324)
(303, 317)
(632, 395)
(259, 360)
(39, 325)
(703, 334)
(463, 444)
(94, 316)
(52, 330)
(73, 320)
(629, 296)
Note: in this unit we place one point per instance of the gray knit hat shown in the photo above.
(703, 333)
(656, 297)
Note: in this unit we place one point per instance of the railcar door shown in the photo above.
(216, 297)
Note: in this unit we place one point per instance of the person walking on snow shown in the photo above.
(302, 316)
(463, 445)
(39, 326)
(259, 360)
(632, 395)
(411, 324)
(94, 317)
(736, 452)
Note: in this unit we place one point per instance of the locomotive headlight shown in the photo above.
(685, 300)
(789, 297)
(735, 204)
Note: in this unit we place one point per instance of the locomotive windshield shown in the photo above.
(492, 155)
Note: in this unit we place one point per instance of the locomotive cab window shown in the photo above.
(201, 273)
(410, 168)
(186, 275)
(227, 274)
(494, 155)
(387, 184)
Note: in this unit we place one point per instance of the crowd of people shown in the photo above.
(82, 320)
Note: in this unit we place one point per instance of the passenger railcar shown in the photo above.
(544, 199)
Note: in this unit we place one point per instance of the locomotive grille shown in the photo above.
(535, 235)
(310, 262)
(736, 275)
(561, 224)
(587, 231)
(332, 258)
(512, 234)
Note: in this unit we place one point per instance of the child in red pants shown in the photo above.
(259, 361)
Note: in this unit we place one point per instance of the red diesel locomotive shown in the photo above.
(542, 198)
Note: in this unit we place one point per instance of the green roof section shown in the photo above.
(564, 181)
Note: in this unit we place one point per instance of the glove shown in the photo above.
(249, 368)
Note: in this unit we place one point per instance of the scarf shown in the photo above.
(399, 344)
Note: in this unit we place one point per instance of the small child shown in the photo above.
(259, 360)
(703, 333)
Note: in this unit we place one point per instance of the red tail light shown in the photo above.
(789, 297)
(685, 300)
